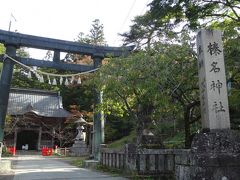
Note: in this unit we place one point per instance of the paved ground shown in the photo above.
(44, 168)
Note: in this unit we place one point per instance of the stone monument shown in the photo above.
(215, 152)
(79, 147)
(212, 81)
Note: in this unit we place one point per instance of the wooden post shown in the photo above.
(5, 82)
(39, 138)
(15, 137)
(65, 151)
(212, 80)
(90, 139)
(98, 122)
(53, 135)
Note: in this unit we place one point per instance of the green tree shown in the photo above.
(167, 19)
(23, 52)
(170, 22)
(2, 49)
(195, 13)
(96, 35)
(231, 40)
(152, 87)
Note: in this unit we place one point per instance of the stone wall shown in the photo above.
(214, 155)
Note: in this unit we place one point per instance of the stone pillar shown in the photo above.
(212, 80)
(5, 83)
(214, 153)
(98, 121)
(91, 143)
(89, 139)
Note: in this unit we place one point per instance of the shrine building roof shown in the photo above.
(42, 103)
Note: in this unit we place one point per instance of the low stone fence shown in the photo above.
(62, 151)
(113, 158)
(144, 161)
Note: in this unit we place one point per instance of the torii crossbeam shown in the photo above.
(12, 41)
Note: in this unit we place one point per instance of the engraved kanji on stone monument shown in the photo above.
(211, 69)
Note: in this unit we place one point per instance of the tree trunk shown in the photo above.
(144, 112)
(187, 128)
(139, 131)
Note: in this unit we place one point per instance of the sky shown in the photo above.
(65, 19)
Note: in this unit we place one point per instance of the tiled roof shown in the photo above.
(42, 103)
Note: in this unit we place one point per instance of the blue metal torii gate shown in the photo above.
(12, 41)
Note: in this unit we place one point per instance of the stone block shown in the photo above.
(152, 163)
(79, 148)
(5, 166)
(142, 162)
(214, 155)
(219, 141)
(170, 162)
(90, 164)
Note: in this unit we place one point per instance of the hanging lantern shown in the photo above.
(54, 82)
(61, 80)
(66, 82)
(79, 80)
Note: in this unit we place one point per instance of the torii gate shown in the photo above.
(12, 41)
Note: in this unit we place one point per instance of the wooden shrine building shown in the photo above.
(35, 116)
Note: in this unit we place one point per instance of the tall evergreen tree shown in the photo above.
(96, 35)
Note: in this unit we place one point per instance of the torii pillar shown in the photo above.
(98, 119)
(5, 84)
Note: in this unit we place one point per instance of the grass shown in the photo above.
(78, 161)
(118, 144)
(75, 161)
(118, 172)
(176, 141)
(5, 153)
(112, 171)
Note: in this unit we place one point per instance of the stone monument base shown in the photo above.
(215, 155)
(79, 148)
